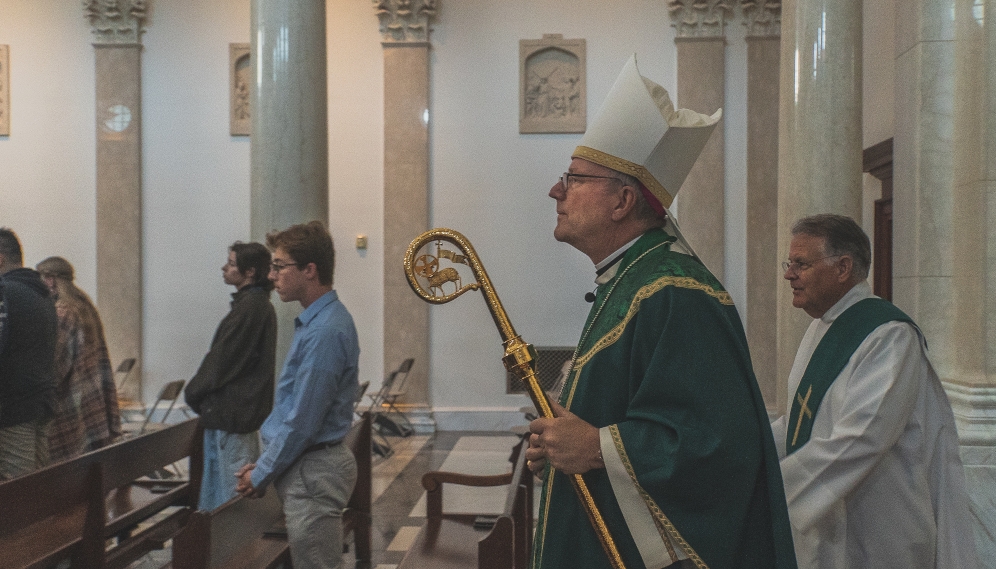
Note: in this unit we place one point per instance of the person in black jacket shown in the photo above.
(233, 389)
(27, 373)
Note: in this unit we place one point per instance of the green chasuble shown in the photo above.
(830, 357)
(663, 362)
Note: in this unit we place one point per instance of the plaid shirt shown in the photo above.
(86, 405)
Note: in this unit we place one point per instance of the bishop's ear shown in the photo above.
(627, 201)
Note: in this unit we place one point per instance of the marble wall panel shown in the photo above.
(923, 20)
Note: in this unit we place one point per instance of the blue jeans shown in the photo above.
(224, 453)
(314, 491)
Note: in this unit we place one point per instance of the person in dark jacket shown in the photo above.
(233, 389)
(27, 373)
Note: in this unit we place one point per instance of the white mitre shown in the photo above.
(638, 132)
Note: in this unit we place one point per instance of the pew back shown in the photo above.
(460, 541)
(72, 507)
(233, 535)
(46, 515)
(356, 518)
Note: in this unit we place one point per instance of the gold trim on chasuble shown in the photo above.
(644, 293)
(664, 525)
(662, 522)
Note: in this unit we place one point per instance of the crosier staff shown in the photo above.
(519, 355)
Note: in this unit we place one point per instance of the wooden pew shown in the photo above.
(452, 541)
(233, 535)
(52, 514)
(249, 533)
(71, 509)
(356, 517)
(132, 498)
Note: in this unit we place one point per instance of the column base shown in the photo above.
(975, 414)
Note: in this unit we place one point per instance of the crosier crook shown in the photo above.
(519, 356)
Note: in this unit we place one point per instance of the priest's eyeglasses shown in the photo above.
(800, 266)
(566, 178)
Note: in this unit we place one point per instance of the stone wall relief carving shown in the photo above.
(699, 18)
(116, 21)
(552, 85)
(405, 21)
(239, 80)
(762, 17)
(4, 90)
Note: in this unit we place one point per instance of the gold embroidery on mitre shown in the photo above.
(664, 525)
(626, 167)
(644, 293)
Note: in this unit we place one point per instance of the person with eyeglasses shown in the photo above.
(232, 390)
(868, 444)
(311, 470)
(660, 411)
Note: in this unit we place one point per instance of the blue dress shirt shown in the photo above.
(316, 390)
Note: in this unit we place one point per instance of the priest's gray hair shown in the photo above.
(642, 208)
(841, 236)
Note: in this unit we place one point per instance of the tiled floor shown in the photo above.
(398, 497)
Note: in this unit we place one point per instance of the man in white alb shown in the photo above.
(868, 445)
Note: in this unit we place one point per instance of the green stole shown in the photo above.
(843, 337)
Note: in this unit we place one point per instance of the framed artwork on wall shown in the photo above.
(552, 85)
(239, 75)
(4, 90)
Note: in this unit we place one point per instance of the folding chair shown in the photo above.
(170, 392)
(397, 390)
(125, 368)
(360, 390)
(382, 403)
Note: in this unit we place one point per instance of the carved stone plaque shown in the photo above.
(239, 76)
(4, 90)
(552, 85)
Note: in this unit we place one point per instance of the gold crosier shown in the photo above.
(519, 356)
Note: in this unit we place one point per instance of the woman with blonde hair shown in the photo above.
(86, 402)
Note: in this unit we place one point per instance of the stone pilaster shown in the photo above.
(117, 29)
(700, 44)
(819, 142)
(405, 27)
(763, 21)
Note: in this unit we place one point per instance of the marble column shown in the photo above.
(971, 359)
(289, 152)
(763, 21)
(117, 45)
(701, 44)
(405, 31)
(819, 142)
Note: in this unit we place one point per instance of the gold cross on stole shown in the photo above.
(803, 410)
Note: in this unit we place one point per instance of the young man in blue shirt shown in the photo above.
(312, 472)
